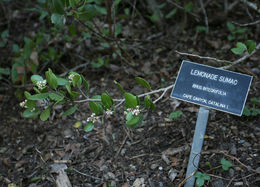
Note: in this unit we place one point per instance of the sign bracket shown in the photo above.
(197, 143)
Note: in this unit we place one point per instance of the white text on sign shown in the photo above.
(214, 77)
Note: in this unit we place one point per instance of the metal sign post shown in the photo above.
(197, 143)
(212, 88)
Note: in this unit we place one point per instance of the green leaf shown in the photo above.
(72, 94)
(51, 79)
(30, 104)
(208, 164)
(188, 7)
(57, 19)
(27, 49)
(154, 17)
(241, 45)
(36, 78)
(56, 97)
(101, 10)
(200, 182)
(120, 87)
(134, 121)
(240, 49)
(89, 127)
(70, 111)
(45, 114)
(251, 45)
(161, 6)
(254, 100)
(118, 29)
(77, 124)
(68, 88)
(76, 81)
(130, 100)
(148, 102)
(58, 6)
(127, 11)
(231, 37)
(85, 83)
(231, 26)
(200, 178)
(72, 30)
(36, 97)
(31, 114)
(226, 164)
(15, 48)
(27, 94)
(143, 82)
(87, 12)
(201, 28)
(4, 71)
(175, 115)
(255, 112)
(95, 107)
(246, 111)
(72, 3)
(106, 101)
(241, 31)
(62, 81)
(4, 34)
(171, 13)
(129, 116)
(35, 179)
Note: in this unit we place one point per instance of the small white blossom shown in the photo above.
(109, 112)
(41, 84)
(33, 109)
(23, 104)
(93, 118)
(71, 76)
(135, 111)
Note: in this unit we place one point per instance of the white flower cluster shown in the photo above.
(23, 104)
(93, 118)
(109, 112)
(41, 84)
(71, 76)
(135, 111)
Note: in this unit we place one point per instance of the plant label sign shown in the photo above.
(212, 87)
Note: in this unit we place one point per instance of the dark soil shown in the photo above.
(114, 155)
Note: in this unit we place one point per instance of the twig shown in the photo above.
(74, 69)
(242, 58)
(232, 5)
(203, 57)
(251, 5)
(161, 96)
(246, 24)
(97, 100)
(247, 167)
(217, 60)
(87, 175)
(205, 15)
(211, 175)
(119, 150)
(109, 17)
(182, 183)
(182, 8)
(122, 100)
(230, 181)
(173, 151)
(142, 155)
